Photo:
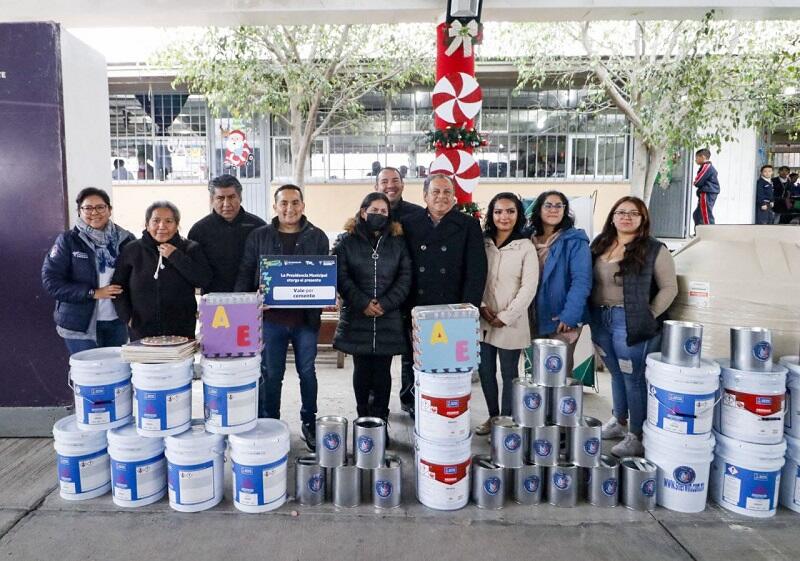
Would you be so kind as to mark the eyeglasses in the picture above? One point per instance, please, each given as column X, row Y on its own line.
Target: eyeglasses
column 553, row 206
column 100, row 209
column 627, row 213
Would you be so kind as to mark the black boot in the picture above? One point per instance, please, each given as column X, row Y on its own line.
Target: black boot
column 309, row 435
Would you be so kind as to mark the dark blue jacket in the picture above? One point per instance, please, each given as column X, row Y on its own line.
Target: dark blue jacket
column 764, row 192
column 566, row 283
column 706, row 180
column 68, row 273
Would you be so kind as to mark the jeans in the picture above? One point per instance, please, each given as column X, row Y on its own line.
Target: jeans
column 273, row 366
column 625, row 364
column 372, row 375
column 509, row 369
column 111, row 333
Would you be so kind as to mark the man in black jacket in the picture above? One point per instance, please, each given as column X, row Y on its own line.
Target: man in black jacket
column 447, row 257
column 290, row 233
column 390, row 182
column 223, row 232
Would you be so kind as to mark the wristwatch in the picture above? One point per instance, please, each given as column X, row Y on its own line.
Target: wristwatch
column 91, row 294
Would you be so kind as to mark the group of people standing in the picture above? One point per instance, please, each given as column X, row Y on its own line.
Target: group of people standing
column 777, row 197
column 530, row 278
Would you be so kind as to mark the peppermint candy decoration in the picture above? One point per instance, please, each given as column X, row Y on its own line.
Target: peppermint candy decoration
column 459, row 165
column 457, row 97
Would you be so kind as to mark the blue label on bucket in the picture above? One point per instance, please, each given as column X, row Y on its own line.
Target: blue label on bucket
column 531, row 483
column 331, row 440
column 762, row 351
column 260, row 485
column 750, row 490
column 132, row 481
column 492, row 485
column 82, row 474
column 562, row 480
column 532, row 401
column 316, row 482
column 610, row 486
column 365, row 444
column 553, row 364
column 692, row 346
column 684, row 479
column 569, row 406
column 230, row 407
column 542, row 448
column 591, row 446
column 98, row 404
column 190, row 485
column 163, row 409
column 681, row 413
column 512, row 442
column 384, row 488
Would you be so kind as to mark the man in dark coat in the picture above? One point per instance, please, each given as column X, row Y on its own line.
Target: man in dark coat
column 448, row 261
column 223, row 232
column 390, row 182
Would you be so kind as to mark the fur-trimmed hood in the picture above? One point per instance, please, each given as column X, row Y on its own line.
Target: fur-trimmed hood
column 395, row 229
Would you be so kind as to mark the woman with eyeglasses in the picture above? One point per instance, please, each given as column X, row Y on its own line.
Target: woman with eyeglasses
column 634, row 284
column 510, row 287
column 561, row 307
column 77, row 273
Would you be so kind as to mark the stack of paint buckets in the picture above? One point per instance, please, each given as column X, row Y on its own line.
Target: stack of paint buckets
column 749, row 425
column 369, row 466
column 681, row 392
column 445, row 345
column 790, row 479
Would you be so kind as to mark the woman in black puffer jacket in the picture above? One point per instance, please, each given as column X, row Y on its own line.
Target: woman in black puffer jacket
column 374, row 277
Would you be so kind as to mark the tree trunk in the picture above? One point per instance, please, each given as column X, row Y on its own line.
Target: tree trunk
column 647, row 160
column 298, row 148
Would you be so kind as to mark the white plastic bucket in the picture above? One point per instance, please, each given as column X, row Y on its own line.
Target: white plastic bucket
column 82, row 461
column 790, row 478
column 138, row 467
column 680, row 399
column 230, row 394
column 162, row 397
column 745, row 477
column 101, row 383
column 683, row 467
column 259, row 457
column 752, row 405
column 791, row 421
column 443, row 406
column 443, row 473
column 195, row 476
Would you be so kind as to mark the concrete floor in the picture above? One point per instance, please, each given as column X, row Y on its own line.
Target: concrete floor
column 35, row 523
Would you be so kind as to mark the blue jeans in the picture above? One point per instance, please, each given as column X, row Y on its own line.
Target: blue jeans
column 273, row 366
column 112, row 333
column 509, row 369
column 625, row 364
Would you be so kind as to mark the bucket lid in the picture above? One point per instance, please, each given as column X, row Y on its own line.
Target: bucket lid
column 101, row 358
column 196, row 438
column 162, row 367
column 231, row 365
column 707, row 367
column 267, row 434
column 775, row 369
column 637, row 464
column 755, row 452
column 126, row 436
column 66, row 431
column 792, row 363
column 608, row 461
column 690, row 443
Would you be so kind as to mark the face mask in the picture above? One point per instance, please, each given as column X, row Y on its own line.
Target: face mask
column 376, row 222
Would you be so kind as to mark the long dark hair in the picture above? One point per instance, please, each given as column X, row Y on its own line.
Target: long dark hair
column 489, row 227
column 636, row 251
column 361, row 224
column 568, row 221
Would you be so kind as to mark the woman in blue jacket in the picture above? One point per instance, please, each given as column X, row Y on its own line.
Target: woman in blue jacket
column 77, row 273
column 565, row 272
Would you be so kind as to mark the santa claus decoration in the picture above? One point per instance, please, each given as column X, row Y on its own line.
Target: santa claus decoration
column 237, row 151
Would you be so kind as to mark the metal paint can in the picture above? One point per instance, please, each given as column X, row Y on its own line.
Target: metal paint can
column 586, row 443
column 527, row 484
column 751, row 349
column 603, row 482
column 681, row 343
column 369, row 442
column 562, row 485
column 508, row 443
column 387, row 483
column 332, row 440
column 568, row 404
column 638, row 479
column 309, row 487
column 529, row 403
column 549, row 362
column 545, row 445
column 346, row 486
column 488, row 483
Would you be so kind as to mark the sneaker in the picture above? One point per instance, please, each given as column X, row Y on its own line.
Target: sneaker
column 630, row 446
column 484, row 428
column 309, row 435
column 614, row 429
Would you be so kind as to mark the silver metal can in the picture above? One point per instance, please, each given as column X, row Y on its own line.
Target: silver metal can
column 346, row 486
column 638, row 478
column 562, row 485
column 528, row 484
column 508, row 443
column 751, row 349
column 681, row 343
column 603, row 482
column 369, row 442
column 488, row 483
column 332, row 441
column 387, row 483
column 529, row 405
column 568, row 404
column 309, row 488
column 586, row 443
column 549, row 362
column 545, row 446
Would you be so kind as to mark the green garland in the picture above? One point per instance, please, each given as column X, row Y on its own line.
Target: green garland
column 454, row 137
column 471, row 209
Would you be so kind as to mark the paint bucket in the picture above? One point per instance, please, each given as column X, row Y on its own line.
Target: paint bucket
column 751, row 406
column 745, row 477
column 586, row 443
column 488, row 483
column 603, row 482
column 751, row 349
column 527, row 484
column 195, row 468
column 563, row 483
column 568, row 404
column 162, row 395
column 442, row 405
column 681, row 342
column 138, row 467
column 259, row 460
column 544, row 449
column 508, row 443
column 680, row 399
column 529, row 403
column 549, row 362
column 791, row 421
column 443, row 473
column 309, row 483
column 369, row 442
column 332, row 435
column 387, row 483
column 638, row 479
column 82, row 461
column 101, row 383
column 346, row 486
column 230, row 394
column 683, row 467
column 790, row 478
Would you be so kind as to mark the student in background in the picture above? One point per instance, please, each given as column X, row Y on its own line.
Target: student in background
column 765, row 192
column 707, row 185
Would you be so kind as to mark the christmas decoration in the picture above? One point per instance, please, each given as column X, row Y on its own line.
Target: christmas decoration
column 455, row 137
column 463, row 35
column 457, row 98
column 472, row 209
column 461, row 166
